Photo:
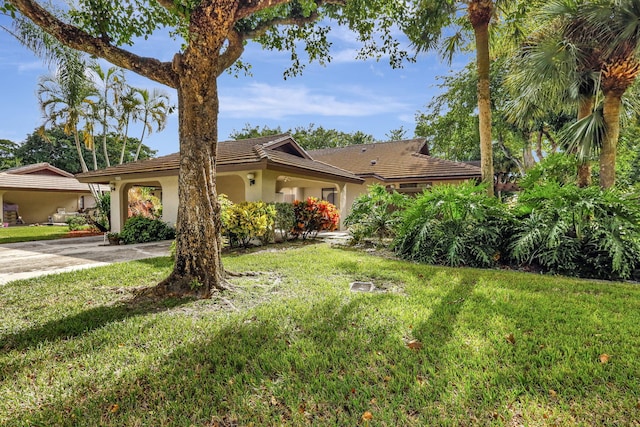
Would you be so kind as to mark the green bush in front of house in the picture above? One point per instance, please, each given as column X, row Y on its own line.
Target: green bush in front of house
column 76, row 223
column 139, row 229
column 585, row 232
column 376, row 213
column 246, row 221
column 285, row 220
column 456, row 225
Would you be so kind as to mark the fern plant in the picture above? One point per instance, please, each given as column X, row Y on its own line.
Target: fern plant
column 453, row 225
column 586, row 232
column 376, row 213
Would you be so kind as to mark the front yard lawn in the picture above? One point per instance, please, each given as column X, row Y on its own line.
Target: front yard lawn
column 292, row 345
column 27, row 234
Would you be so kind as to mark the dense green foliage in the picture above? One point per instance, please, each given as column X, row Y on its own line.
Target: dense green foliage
column 139, row 229
column 376, row 213
column 246, row 221
column 584, row 232
column 558, row 168
column 551, row 226
column 312, row 216
column 285, row 220
column 76, row 222
column 309, row 138
column 457, row 225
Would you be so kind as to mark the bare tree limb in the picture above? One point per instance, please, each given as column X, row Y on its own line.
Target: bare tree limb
column 233, row 51
column 75, row 38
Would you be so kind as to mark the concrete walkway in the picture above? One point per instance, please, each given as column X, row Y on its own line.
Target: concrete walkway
column 32, row 259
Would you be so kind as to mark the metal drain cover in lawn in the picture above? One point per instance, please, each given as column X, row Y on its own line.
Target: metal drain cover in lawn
column 362, row 287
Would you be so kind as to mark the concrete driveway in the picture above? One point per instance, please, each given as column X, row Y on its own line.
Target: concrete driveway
column 32, row 259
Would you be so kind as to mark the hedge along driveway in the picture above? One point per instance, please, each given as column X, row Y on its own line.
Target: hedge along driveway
column 33, row 259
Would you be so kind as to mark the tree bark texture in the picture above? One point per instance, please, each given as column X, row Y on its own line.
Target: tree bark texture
column 585, row 108
column 480, row 15
column 611, row 114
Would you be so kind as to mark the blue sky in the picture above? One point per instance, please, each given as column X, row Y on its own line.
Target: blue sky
column 347, row 94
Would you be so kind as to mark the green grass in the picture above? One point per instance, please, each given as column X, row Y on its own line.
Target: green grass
column 293, row 346
column 27, row 234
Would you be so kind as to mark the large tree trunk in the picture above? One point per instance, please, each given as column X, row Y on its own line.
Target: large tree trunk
column 585, row 108
column 611, row 115
column 480, row 12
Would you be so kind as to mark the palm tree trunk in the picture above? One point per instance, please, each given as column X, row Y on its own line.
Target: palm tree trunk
column 611, row 115
column 144, row 128
column 481, row 31
column 124, row 142
column 585, row 108
column 83, row 164
column 104, row 135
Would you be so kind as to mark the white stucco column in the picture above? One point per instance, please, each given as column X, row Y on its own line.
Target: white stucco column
column 344, row 207
column 2, row 208
column 116, row 219
column 170, row 202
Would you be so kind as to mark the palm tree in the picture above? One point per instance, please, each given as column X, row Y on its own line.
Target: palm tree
column 128, row 110
column 616, row 25
column 555, row 70
column 65, row 98
column 153, row 108
column 106, row 81
column 425, row 31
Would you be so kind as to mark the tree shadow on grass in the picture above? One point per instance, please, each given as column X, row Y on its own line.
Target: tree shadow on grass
column 83, row 322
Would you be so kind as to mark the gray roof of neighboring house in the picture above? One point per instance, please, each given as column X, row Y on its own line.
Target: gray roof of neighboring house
column 395, row 161
column 275, row 152
column 41, row 177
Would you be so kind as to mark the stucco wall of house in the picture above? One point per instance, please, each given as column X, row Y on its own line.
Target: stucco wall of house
column 37, row 206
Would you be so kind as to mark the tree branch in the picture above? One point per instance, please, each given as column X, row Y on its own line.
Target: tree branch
column 266, row 25
column 75, row 38
column 233, row 51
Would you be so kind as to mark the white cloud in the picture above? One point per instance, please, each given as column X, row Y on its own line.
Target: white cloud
column 259, row 100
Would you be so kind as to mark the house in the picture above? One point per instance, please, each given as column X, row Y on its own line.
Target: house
column 276, row 169
column 36, row 193
column 405, row 166
column 271, row 169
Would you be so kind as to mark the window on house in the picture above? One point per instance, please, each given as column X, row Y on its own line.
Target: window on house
column 330, row 195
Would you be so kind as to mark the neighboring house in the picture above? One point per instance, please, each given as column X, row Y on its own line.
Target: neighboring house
column 405, row 166
column 36, row 193
column 271, row 169
column 276, row 169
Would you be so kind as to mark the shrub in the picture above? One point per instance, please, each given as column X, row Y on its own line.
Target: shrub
column 139, row 229
column 586, row 232
column 285, row 220
column 246, row 221
column 556, row 167
column 376, row 214
column 76, row 222
column 454, row 225
column 313, row 216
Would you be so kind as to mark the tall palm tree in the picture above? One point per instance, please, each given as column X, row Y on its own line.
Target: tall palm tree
column 65, row 98
column 617, row 41
column 555, row 69
column 109, row 83
column 128, row 110
column 425, row 31
column 154, row 108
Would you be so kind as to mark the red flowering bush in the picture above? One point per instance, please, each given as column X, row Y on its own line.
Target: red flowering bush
column 313, row 216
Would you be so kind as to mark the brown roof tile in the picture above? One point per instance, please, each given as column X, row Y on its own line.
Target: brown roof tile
column 271, row 152
column 394, row 161
column 26, row 182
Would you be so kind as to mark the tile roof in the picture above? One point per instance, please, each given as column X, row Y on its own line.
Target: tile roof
column 38, row 168
column 27, row 182
column 395, row 161
column 269, row 152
